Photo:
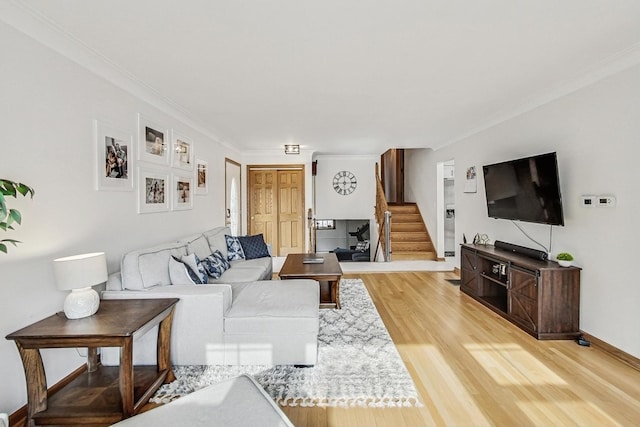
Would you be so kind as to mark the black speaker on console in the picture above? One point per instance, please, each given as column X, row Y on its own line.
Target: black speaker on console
column 531, row 253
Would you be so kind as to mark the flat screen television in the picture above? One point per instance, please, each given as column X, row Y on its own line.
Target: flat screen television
column 526, row 189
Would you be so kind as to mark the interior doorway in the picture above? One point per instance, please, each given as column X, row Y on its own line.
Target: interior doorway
column 446, row 209
column 276, row 206
column 232, row 199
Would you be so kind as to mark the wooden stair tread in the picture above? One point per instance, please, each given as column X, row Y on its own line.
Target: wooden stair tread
column 399, row 209
column 407, row 226
column 409, row 236
column 413, row 255
column 411, row 246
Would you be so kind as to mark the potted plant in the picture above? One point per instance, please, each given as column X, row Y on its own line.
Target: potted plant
column 10, row 216
column 564, row 259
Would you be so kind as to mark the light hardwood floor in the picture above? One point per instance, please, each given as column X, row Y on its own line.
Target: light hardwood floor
column 473, row 368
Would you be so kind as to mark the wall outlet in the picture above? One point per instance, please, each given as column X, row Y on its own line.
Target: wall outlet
column 606, row 201
column 4, row 420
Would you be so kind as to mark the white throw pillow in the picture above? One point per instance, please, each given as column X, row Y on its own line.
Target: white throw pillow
column 193, row 262
column 178, row 273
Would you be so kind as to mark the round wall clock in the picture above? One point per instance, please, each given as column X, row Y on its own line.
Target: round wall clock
column 344, row 182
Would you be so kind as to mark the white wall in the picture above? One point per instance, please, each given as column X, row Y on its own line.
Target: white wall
column 358, row 205
column 47, row 108
column 595, row 133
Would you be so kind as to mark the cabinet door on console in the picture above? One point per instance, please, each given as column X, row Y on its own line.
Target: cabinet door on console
column 469, row 271
column 523, row 297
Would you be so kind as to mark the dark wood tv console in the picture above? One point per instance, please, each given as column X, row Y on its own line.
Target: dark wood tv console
column 540, row 297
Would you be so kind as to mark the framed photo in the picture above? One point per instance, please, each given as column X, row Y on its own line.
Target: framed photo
column 470, row 183
column 181, row 192
column 153, row 141
column 202, row 177
column 114, row 162
column 153, row 191
column 181, row 152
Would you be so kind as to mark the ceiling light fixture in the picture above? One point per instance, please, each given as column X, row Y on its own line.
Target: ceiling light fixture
column 291, row 149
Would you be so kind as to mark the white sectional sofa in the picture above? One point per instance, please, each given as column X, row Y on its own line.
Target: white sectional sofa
column 241, row 318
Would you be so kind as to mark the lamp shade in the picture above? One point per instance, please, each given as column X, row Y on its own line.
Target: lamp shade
column 80, row 271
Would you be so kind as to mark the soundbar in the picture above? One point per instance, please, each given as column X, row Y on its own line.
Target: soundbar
column 531, row 253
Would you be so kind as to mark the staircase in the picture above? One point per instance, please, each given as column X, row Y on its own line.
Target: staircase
column 410, row 239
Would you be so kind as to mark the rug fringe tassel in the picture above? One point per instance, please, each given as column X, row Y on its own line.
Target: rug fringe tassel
column 351, row 403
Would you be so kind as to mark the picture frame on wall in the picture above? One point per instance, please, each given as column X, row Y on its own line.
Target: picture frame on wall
column 153, row 141
column 181, row 192
column 202, row 177
column 181, row 151
column 153, row 190
column 470, row 183
column 114, row 159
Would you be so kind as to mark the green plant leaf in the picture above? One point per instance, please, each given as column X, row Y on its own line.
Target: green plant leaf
column 12, row 241
column 3, row 247
column 15, row 215
column 9, row 216
column 9, row 189
column 25, row 189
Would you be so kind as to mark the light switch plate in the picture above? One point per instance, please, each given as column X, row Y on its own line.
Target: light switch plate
column 588, row 201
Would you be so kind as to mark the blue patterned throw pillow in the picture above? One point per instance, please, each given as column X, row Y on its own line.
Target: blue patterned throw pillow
column 214, row 266
column 222, row 259
column 254, row 246
column 234, row 248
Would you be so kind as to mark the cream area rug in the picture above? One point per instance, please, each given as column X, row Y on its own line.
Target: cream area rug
column 358, row 364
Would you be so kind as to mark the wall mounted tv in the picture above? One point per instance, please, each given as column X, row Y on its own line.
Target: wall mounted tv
column 526, row 189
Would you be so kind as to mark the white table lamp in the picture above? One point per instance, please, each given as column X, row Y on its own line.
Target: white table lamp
column 78, row 273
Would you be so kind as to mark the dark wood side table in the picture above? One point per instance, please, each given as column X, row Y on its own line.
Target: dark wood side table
column 327, row 273
column 102, row 394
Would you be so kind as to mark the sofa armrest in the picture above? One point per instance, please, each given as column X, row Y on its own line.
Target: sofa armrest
column 114, row 282
column 198, row 324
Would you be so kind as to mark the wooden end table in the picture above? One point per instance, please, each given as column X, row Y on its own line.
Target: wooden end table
column 102, row 394
column 328, row 274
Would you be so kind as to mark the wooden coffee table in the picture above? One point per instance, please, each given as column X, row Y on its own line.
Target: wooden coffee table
column 328, row 274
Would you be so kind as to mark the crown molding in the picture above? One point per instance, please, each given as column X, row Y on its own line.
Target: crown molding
column 346, row 157
column 610, row 66
column 305, row 156
column 46, row 32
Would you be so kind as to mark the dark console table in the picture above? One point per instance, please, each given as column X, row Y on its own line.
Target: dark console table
column 539, row 296
column 102, row 395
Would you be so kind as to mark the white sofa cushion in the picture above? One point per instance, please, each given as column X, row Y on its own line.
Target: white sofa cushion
column 259, row 308
column 198, row 323
column 250, row 264
column 147, row 268
column 246, row 271
column 236, row 402
column 216, row 239
column 200, row 247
